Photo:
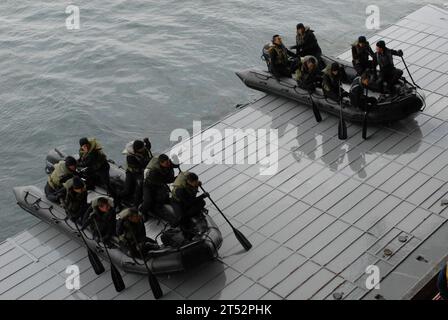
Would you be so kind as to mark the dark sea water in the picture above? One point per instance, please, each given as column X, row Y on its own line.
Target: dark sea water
column 139, row 68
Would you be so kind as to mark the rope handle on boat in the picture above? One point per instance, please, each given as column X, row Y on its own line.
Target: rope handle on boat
column 37, row 206
column 261, row 76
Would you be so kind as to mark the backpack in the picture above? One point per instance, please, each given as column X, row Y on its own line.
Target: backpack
column 173, row 237
column 265, row 55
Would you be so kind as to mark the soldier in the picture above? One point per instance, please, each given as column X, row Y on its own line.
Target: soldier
column 307, row 45
column 132, row 233
column 63, row 171
column 155, row 186
column 361, row 51
column 137, row 158
column 75, row 199
column 94, row 163
column 331, row 83
column 101, row 214
column 307, row 73
column 388, row 72
column 184, row 199
column 358, row 97
column 279, row 58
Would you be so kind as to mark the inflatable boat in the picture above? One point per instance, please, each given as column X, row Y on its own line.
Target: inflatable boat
column 201, row 248
column 390, row 108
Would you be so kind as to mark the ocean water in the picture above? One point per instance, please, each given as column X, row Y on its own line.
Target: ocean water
column 139, row 68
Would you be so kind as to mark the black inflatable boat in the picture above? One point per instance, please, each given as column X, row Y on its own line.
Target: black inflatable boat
column 201, row 248
column 390, row 108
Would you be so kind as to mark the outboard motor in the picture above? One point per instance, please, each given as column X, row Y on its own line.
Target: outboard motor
column 266, row 56
column 53, row 157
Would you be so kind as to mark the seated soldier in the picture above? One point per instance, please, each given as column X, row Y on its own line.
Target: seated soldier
column 63, row 171
column 94, row 163
column 361, row 51
column 160, row 172
column 101, row 220
column 184, row 198
column 358, row 97
column 307, row 73
column 279, row 55
column 307, row 45
column 75, row 199
column 137, row 158
column 332, row 80
column 388, row 72
column 132, row 233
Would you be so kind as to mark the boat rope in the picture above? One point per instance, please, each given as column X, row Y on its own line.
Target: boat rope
column 36, row 206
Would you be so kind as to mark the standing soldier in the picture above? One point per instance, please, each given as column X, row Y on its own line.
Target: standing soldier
column 137, row 158
column 361, row 51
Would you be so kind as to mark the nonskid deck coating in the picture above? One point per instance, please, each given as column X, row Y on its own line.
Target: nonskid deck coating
column 330, row 211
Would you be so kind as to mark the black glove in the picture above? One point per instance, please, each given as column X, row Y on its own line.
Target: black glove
column 205, row 195
column 400, row 53
column 147, row 143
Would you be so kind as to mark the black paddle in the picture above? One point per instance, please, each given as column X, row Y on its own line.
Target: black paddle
column 406, row 66
column 240, row 237
column 342, row 127
column 315, row 109
column 364, row 121
column 116, row 276
column 93, row 257
column 153, row 282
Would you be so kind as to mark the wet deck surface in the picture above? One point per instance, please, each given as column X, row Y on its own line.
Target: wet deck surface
column 330, row 211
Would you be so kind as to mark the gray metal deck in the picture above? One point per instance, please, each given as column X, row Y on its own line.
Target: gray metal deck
column 330, row 211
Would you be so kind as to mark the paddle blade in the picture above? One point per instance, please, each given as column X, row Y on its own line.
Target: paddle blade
column 155, row 286
column 316, row 113
column 242, row 239
column 342, row 129
column 364, row 127
column 95, row 262
column 117, row 279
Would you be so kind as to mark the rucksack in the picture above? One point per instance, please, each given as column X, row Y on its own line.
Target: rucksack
column 265, row 55
column 173, row 237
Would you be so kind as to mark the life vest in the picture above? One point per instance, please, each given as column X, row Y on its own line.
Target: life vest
column 385, row 60
column 59, row 175
column 69, row 183
column 361, row 53
column 331, row 83
column 152, row 165
column 94, row 145
column 94, row 203
column 141, row 157
column 73, row 200
column 129, row 230
column 357, row 98
column 281, row 57
column 302, row 72
column 181, row 183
